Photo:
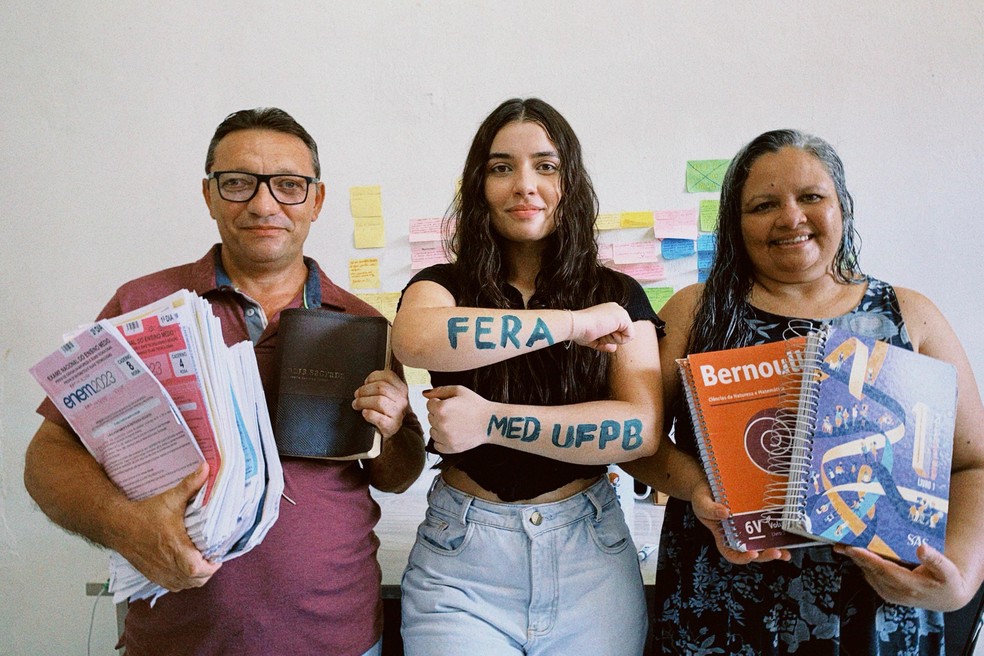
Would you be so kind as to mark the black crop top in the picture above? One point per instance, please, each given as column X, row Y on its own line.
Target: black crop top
column 511, row 474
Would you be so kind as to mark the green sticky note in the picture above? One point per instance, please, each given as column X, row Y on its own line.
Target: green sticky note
column 709, row 215
column 706, row 174
column 658, row 296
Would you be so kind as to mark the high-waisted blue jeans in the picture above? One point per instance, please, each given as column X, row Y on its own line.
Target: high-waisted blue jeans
column 496, row 579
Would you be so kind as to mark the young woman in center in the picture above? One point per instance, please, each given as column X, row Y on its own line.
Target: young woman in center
column 545, row 367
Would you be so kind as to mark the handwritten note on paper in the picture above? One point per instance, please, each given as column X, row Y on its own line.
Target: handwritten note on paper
column 709, row 215
column 364, row 273
column 704, row 260
column 674, row 249
column 426, row 229
column 370, row 232
column 605, row 252
column 706, row 248
column 675, row 224
column 643, row 272
column 636, row 219
column 608, row 221
column 424, row 254
column 415, row 376
column 658, row 296
column 635, row 252
column 366, row 201
column 706, row 174
column 706, row 243
column 384, row 302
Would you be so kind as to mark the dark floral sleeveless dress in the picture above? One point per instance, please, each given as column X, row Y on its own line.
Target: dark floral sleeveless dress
column 819, row 602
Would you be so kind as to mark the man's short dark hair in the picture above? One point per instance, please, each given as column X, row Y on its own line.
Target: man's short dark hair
column 262, row 118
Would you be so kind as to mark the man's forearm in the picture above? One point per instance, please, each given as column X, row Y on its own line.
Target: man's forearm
column 400, row 462
column 70, row 487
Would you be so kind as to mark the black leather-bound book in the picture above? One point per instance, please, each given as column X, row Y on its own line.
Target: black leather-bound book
column 323, row 357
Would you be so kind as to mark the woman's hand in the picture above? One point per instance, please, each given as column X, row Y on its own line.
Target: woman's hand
column 602, row 327
column 458, row 418
column 935, row 584
column 711, row 514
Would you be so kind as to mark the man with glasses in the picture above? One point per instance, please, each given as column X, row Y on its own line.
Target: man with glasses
column 312, row 585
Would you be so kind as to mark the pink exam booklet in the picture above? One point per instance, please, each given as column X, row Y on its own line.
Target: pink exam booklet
column 152, row 394
column 161, row 342
column 121, row 412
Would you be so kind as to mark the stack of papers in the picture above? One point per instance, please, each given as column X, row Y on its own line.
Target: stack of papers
column 152, row 394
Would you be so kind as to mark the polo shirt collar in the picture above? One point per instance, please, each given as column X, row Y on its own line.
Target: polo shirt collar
column 312, row 286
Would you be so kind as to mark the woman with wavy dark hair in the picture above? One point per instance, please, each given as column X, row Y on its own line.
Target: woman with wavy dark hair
column 725, row 309
column 788, row 258
column 545, row 369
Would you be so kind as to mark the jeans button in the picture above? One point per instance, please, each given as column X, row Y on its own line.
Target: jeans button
column 536, row 518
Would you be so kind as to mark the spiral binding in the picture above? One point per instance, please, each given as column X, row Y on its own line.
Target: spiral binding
column 780, row 437
column 707, row 459
column 798, row 413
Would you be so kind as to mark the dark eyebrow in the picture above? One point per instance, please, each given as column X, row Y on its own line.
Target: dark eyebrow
column 545, row 153
column 280, row 171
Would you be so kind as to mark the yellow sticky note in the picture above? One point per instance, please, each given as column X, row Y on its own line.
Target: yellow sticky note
column 370, row 232
column 636, row 219
column 364, row 273
column 709, row 215
column 658, row 296
column 416, row 376
column 384, row 302
column 608, row 221
column 366, row 201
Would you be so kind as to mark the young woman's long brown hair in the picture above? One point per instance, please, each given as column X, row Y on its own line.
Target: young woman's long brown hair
column 570, row 276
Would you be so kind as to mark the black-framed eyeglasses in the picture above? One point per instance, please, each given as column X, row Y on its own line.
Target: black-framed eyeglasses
column 241, row 186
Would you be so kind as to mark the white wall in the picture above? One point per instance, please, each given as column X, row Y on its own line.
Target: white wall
column 107, row 108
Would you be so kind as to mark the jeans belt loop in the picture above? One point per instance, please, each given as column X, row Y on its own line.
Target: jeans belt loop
column 434, row 483
column 595, row 501
column 464, row 508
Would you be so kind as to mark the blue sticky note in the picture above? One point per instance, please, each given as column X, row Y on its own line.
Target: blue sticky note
column 674, row 249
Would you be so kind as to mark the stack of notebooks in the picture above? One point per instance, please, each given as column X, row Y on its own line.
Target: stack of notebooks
column 154, row 393
column 828, row 438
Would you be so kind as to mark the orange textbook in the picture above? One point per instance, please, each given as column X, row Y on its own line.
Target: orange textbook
column 735, row 399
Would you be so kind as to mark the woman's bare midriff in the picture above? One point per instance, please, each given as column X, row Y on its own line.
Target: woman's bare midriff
column 462, row 481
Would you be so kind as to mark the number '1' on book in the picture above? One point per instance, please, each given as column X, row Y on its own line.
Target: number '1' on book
column 872, row 446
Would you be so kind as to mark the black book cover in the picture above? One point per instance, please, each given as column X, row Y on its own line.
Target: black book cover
column 322, row 358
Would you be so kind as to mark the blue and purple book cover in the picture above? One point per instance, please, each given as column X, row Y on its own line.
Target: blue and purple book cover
column 872, row 447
